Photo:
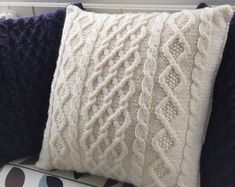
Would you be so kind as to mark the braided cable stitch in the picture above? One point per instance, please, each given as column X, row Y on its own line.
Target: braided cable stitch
column 122, row 95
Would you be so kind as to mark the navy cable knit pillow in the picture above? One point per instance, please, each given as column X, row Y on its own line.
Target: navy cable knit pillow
column 218, row 152
column 28, row 54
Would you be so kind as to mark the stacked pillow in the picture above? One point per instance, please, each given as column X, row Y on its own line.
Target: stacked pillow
column 218, row 152
column 28, row 49
column 131, row 94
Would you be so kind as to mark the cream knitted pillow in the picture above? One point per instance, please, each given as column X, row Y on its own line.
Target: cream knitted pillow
column 131, row 93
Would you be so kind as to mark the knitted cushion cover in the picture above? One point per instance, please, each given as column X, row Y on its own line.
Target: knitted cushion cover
column 28, row 52
column 131, row 93
column 218, row 153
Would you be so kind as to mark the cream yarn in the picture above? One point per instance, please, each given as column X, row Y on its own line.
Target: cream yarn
column 131, row 93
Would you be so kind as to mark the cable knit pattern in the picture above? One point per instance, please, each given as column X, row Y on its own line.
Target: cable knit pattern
column 172, row 78
column 143, row 115
column 202, row 45
column 126, row 108
column 29, row 49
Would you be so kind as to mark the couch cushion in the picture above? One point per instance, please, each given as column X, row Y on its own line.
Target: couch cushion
column 23, row 171
column 131, row 93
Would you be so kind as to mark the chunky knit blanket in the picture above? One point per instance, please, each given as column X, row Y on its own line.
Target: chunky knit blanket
column 131, row 94
column 28, row 53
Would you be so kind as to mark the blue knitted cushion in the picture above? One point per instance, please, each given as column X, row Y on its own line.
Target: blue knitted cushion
column 218, row 152
column 28, row 53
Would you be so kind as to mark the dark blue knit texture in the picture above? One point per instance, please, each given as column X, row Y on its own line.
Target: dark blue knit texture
column 218, row 152
column 28, row 53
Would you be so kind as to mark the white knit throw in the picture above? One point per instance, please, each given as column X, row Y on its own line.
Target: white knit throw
column 131, row 94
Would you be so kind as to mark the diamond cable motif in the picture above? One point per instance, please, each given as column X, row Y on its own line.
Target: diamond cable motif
column 175, row 50
column 117, row 88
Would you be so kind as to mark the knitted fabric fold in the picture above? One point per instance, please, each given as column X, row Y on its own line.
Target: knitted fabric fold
column 131, row 94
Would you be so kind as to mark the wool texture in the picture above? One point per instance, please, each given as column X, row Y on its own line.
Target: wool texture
column 217, row 159
column 130, row 94
column 28, row 52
